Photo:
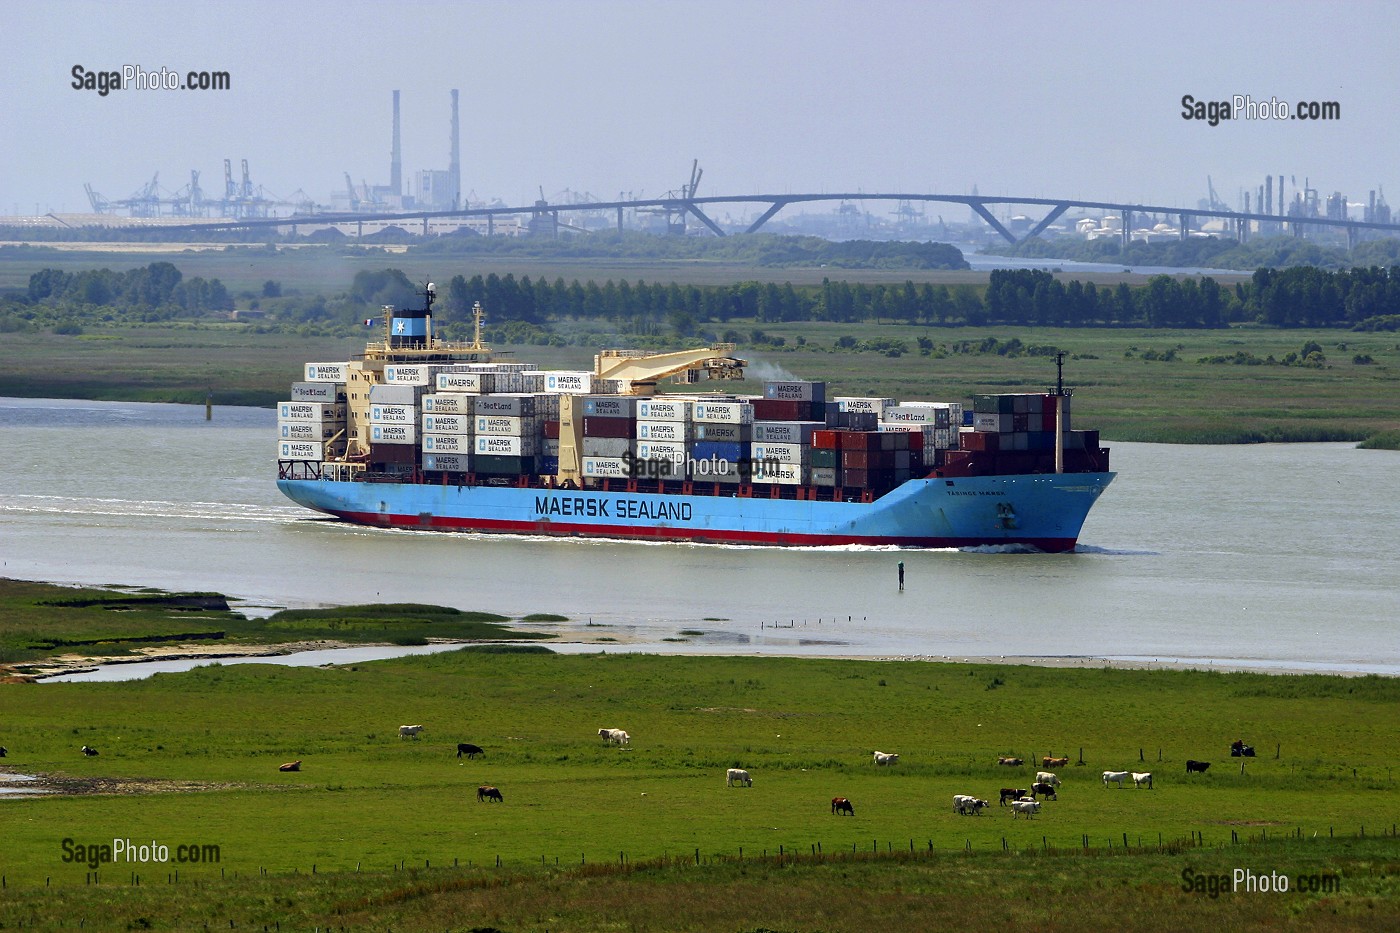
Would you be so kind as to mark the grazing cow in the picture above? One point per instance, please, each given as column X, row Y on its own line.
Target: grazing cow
column 965, row 804
column 1039, row 789
column 3, row 751
column 1198, row 766
column 737, row 776
column 614, row 736
column 1117, row 777
column 409, row 732
column 1048, row 762
column 486, row 792
column 468, row 749
column 1141, row 779
column 1046, row 777
column 1029, row 807
column 1240, row 750
column 89, row 751
column 1009, row 762
column 290, row 766
column 1011, row 793
column 886, row 758
column 842, row 805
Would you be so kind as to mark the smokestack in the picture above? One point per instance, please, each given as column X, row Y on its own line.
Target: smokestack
column 1269, row 194
column 396, row 160
column 1282, row 208
column 454, row 164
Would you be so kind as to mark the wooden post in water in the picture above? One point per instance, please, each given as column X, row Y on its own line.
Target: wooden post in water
column 209, row 406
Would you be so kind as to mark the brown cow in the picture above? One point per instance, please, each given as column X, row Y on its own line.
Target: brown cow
column 290, row 766
column 486, row 792
column 1048, row 762
column 1011, row 793
column 842, row 805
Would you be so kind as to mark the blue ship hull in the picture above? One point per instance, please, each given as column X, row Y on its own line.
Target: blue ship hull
column 1044, row 511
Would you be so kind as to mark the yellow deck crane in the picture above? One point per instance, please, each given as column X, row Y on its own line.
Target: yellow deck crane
column 638, row 372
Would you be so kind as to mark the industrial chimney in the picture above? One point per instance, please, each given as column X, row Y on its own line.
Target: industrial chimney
column 454, row 164
column 396, row 160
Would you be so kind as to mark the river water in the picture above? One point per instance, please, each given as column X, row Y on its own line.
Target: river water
column 1277, row 557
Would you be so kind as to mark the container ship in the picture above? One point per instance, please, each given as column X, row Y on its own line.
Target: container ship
column 425, row 433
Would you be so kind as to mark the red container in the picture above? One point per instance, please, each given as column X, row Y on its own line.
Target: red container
column 393, row 453
column 551, row 429
column 607, row 427
column 767, row 409
column 826, row 440
column 980, row 440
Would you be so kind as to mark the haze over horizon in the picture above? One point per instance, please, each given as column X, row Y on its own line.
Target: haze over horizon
column 616, row 97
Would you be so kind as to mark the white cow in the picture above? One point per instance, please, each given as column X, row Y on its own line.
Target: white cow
column 1117, row 777
column 1141, row 779
column 737, row 776
column 1045, row 777
column 406, row 732
column 614, row 736
column 1029, row 807
column 965, row 803
column 886, row 758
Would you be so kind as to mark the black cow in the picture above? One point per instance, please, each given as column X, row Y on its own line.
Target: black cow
column 1011, row 793
column 88, row 751
column 842, row 805
column 468, row 749
column 1198, row 766
column 3, row 751
column 1240, row 750
column 1041, row 789
column 486, row 792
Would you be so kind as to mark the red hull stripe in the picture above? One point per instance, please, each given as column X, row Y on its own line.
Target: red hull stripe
column 663, row 533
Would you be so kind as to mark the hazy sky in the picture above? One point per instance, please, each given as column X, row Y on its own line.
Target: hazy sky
column 1077, row 100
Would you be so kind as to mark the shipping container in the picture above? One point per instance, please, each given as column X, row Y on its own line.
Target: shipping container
column 550, row 428
column 450, row 403
column 505, row 425
column 605, row 467
column 447, row 424
column 547, row 464
column 602, row 426
column 395, row 394
column 310, row 411
column 719, row 450
column 823, row 459
column 733, row 433
column 823, row 476
column 410, row 374
column 393, row 414
column 993, row 422
column 674, row 431
column 405, row 455
column 567, row 382
column 609, row 406
column 854, row 404
column 447, row 463
column 606, row 447
column 502, row 445
column 301, row 450
column 511, row 406
column 795, row 391
column 785, row 432
column 723, row 412
column 477, row 383
column 507, row 465
column 332, row 392
column 449, row 443
column 309, row 430
column 660, row 450
column 393, row 433
column 327, row 372
column 663, row 409
column 780, row 410
column 784, row 474
column 781, row 453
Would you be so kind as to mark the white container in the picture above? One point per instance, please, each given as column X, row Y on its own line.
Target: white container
column 652, row 409
column 498, row 445
column 411, row 374
column 794, row 391
column 450, row 403
column 568, row 382
column 607, row 448
column 332, row 392
column 511, row 406
column 447, row 463
column 609, row 406
column 991, row 422
column 503, row 424
column 448, row 443
column 465, row 382
column 914, row 414
column 393, row 414
column 785, row 432
column 783, row 474
column 393, row 433
column 652, row 450
column 382, row 394
column 310, row 411
column 782, row 453
column 447, row 424
column 673, row 431
column 549, row 447
column 309, row 430
column 725, row 412
column 327, row 372
column 874, row 405
column 301, row 450
column 605, row 467
column 823, row 476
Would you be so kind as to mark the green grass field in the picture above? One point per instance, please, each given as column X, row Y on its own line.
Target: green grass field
column 576, row 812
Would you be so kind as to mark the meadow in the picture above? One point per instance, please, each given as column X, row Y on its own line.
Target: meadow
column 380, row 831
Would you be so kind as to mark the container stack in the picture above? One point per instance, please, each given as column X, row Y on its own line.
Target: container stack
column 312, row 430
column 508, row 429
column 393, row 426
column 449, row 428
column 607, row 436
column 722, row 440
